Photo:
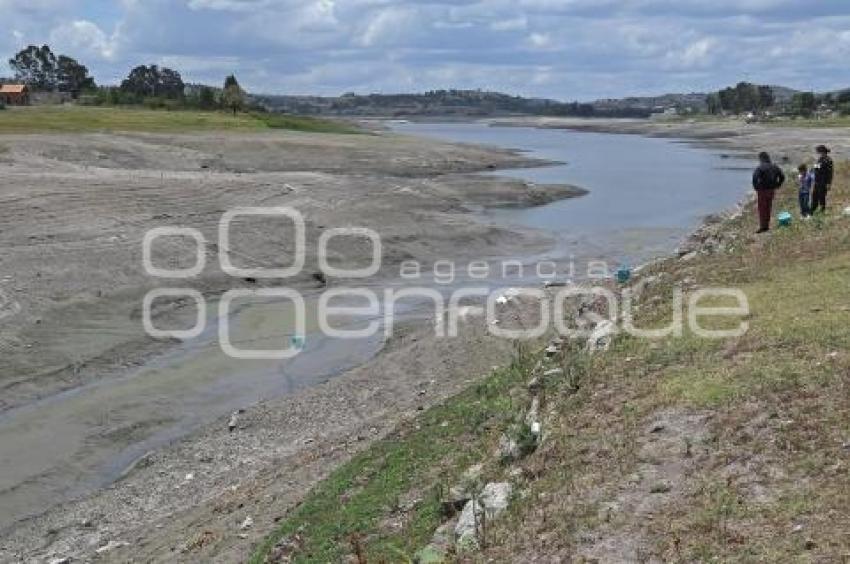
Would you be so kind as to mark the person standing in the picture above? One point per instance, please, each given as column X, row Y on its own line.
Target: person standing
column 766, row 179
column 807, row 180
column 823, row 178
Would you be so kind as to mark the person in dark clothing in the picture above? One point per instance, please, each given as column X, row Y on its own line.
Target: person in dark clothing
column 766, row 179
column 807, row 180
column 823, row 170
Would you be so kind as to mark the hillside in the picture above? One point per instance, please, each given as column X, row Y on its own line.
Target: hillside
column 477, row 103
column 675, row 449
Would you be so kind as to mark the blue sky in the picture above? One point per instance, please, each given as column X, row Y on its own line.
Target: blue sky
column 564, row 49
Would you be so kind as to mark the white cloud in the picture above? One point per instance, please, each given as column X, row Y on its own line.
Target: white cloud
column 562, row 48
column 84, row 37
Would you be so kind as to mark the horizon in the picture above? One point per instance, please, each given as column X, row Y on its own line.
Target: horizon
column 531, row 48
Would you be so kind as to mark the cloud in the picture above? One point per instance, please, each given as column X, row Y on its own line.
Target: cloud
column 567, row 49
column 83, row 37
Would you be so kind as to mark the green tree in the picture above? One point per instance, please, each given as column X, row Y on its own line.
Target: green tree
column 72, row 77
column 713, row 103
column 206, row 98
column 232, row 97
column 153, row 81
column 36, row 67
column 804, row 103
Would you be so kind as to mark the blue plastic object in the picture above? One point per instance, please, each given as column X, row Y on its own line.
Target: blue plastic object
column 624, row 273
column 784, row 219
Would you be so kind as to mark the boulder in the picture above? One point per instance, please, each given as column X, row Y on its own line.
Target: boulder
column 493, row 501
column 508, row 448
column 600, row 338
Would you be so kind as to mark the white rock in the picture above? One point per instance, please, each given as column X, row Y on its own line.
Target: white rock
column 247, row 523
column 494, row 499
column 508, row 448
column 600, row 338
column 110, row 546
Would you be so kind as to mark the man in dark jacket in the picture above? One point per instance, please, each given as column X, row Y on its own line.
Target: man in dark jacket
column 766, row 179
column 823, row 178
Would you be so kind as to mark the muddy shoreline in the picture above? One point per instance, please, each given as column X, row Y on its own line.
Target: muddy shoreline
column 284, row 446
column 79, row 323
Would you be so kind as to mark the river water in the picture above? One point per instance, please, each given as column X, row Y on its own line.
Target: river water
column 644, row 196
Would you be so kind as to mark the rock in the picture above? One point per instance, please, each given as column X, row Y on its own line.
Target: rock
column 494, row 499
column 508, row 448
column 600, row 338
column 533, row 411
column 461, row 493
column 846, row 211
column 247, row 523
column 552, row 350
column 553, row 373
column 438, row 549
column 62, row 560
column 110, row 546
column 234, row 422
column 536, row 428
column 430, row 555
column 534, row 385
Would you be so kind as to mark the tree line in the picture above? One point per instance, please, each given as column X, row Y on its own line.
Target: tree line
column 745, row 97
column 151, row 85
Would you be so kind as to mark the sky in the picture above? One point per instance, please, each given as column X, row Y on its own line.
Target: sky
column 561, row 49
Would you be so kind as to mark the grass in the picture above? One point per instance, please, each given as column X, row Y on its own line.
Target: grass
column 81, row 119
column 417, row 464
column 767, row 482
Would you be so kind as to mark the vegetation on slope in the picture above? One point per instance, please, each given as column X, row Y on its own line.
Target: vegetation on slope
column 680, row 449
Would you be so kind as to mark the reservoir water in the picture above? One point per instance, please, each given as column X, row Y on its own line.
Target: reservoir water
column 644, row 194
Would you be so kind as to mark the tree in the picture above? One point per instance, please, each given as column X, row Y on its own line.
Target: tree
column 206, row 98
column 35, row 67
column 804, row 103
column 766, row 97
column 713, row 104
column 233, row 97
column 152, row 81
column 39, row 68
column 72, row 77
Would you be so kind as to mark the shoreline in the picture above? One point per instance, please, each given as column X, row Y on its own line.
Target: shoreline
column 387, row 422
column 445, row 176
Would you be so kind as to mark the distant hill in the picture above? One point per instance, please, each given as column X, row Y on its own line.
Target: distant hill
column 479, row 103
column 445, row 103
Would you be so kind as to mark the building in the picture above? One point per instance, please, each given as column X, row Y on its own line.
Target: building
column 14, row 94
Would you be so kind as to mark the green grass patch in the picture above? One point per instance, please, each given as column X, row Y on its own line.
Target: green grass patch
column 418, row 462
column 82, row 119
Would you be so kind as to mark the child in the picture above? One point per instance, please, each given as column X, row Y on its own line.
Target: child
column 807, row 179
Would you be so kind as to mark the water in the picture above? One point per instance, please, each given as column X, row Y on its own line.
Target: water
column 645, row 194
